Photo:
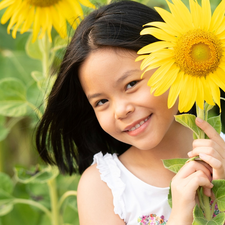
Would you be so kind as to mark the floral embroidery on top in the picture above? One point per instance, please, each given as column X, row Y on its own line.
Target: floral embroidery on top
column 151, row 219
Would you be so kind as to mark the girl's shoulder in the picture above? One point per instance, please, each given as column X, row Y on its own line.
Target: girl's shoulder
column 95, row 199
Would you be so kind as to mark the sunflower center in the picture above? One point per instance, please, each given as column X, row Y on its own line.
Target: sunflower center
column 198, row 53
column 42, row 3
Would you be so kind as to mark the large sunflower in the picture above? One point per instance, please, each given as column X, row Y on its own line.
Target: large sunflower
column 190, row 54
column 41, row 15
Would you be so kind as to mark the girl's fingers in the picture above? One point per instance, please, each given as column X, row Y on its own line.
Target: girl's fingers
column 210, row 131
column 209, row 145
column 192, row 167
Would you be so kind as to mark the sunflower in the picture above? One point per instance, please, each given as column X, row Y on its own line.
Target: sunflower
column 41, row 15
column 189, row 54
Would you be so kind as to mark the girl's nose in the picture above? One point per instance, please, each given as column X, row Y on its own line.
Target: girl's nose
column 123, row 109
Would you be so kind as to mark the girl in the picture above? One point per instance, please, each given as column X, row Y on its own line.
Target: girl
column 100, row 107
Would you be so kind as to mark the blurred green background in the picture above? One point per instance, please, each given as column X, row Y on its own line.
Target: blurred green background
column 17, row 148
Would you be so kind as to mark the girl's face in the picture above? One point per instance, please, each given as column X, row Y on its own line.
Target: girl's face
column 122, row 101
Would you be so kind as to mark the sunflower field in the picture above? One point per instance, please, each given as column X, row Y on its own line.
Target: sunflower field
column 33, row 38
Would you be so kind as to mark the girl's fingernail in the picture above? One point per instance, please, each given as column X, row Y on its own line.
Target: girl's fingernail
column 199, row 120
column 189, row 154
column 202, row 156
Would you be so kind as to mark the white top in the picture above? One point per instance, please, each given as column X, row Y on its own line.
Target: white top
column 135, row 201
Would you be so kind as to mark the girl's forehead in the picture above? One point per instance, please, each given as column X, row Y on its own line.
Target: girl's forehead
column 105, row 66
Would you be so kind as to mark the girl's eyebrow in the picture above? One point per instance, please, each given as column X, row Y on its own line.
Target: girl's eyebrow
column 93, row 96
column 121, row 79
column 125, row 75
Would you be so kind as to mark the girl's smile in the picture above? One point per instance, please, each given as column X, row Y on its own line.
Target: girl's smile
column 137, row 127
column 124, row 107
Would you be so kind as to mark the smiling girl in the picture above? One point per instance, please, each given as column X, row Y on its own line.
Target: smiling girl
column 102, row 121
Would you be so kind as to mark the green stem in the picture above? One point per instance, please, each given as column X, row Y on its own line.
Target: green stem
column 66, row 195
column 213, row 208
column 200, row 198
column 45, row 62
column 205, row 199
column 1, row 157
column 33, row 203
column 54, row 201
column 36, row 110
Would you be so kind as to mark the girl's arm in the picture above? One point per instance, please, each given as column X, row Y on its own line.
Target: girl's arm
column 95, row 200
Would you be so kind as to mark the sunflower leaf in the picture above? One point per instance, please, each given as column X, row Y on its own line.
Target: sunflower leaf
column 174, row 165
column 12, row 97
column 219, row 192
column 216, row 123
column 199, row 218
column 188, row 120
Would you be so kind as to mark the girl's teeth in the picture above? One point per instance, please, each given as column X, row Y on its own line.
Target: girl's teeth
column 139, row 124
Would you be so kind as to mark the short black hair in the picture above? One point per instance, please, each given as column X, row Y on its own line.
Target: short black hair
column 69, row 134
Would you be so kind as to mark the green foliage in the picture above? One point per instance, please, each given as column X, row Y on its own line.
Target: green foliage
column 174, row 165
column 33, row 193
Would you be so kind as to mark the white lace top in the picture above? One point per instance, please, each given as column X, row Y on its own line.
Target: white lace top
column 135, row 201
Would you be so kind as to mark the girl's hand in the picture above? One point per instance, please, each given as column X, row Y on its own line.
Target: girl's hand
column 211, row 151
column 184, row 186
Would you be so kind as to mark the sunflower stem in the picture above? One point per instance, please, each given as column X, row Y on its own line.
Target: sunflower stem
column 54, row 201
column 205, row 199
column 45, row 63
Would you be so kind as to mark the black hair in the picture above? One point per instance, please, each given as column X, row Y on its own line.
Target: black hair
column 69, row 134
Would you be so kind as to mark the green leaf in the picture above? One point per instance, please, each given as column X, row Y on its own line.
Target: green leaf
column 188, row 120
column 4, row 131
column 12, row 98
column 216, row 123
column 38, row 175
column 5, row 209
column 199, row 218
column 174, row 165
column 6, row 183
column 219, row 192
column 6, row 202
column 60, row 43
column 170, row 197
column 33, row 49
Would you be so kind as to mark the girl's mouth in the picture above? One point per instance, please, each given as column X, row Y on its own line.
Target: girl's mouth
column 138, row 125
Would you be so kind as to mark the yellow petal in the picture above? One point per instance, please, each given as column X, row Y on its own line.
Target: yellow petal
column 6, row 3
column 59, row 23
column 87, row 3
column 155, row 46
column 217, row 17
column 168, row 79
column 181, row 13
column 154, row 57
column 37, row 23
column 207, row 91
column 214, row 90
column 200, row 93
column 159, row 34
column 218, row 77
column 175, row 89
column 29, row 20
column 187, row 94
column 7, row 15
column 158, row 75
column 206, row 14
column 195, row 12
column 168, row 17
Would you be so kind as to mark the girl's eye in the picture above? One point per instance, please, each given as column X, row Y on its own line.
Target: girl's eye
column 101, row 102
column 131, row 84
